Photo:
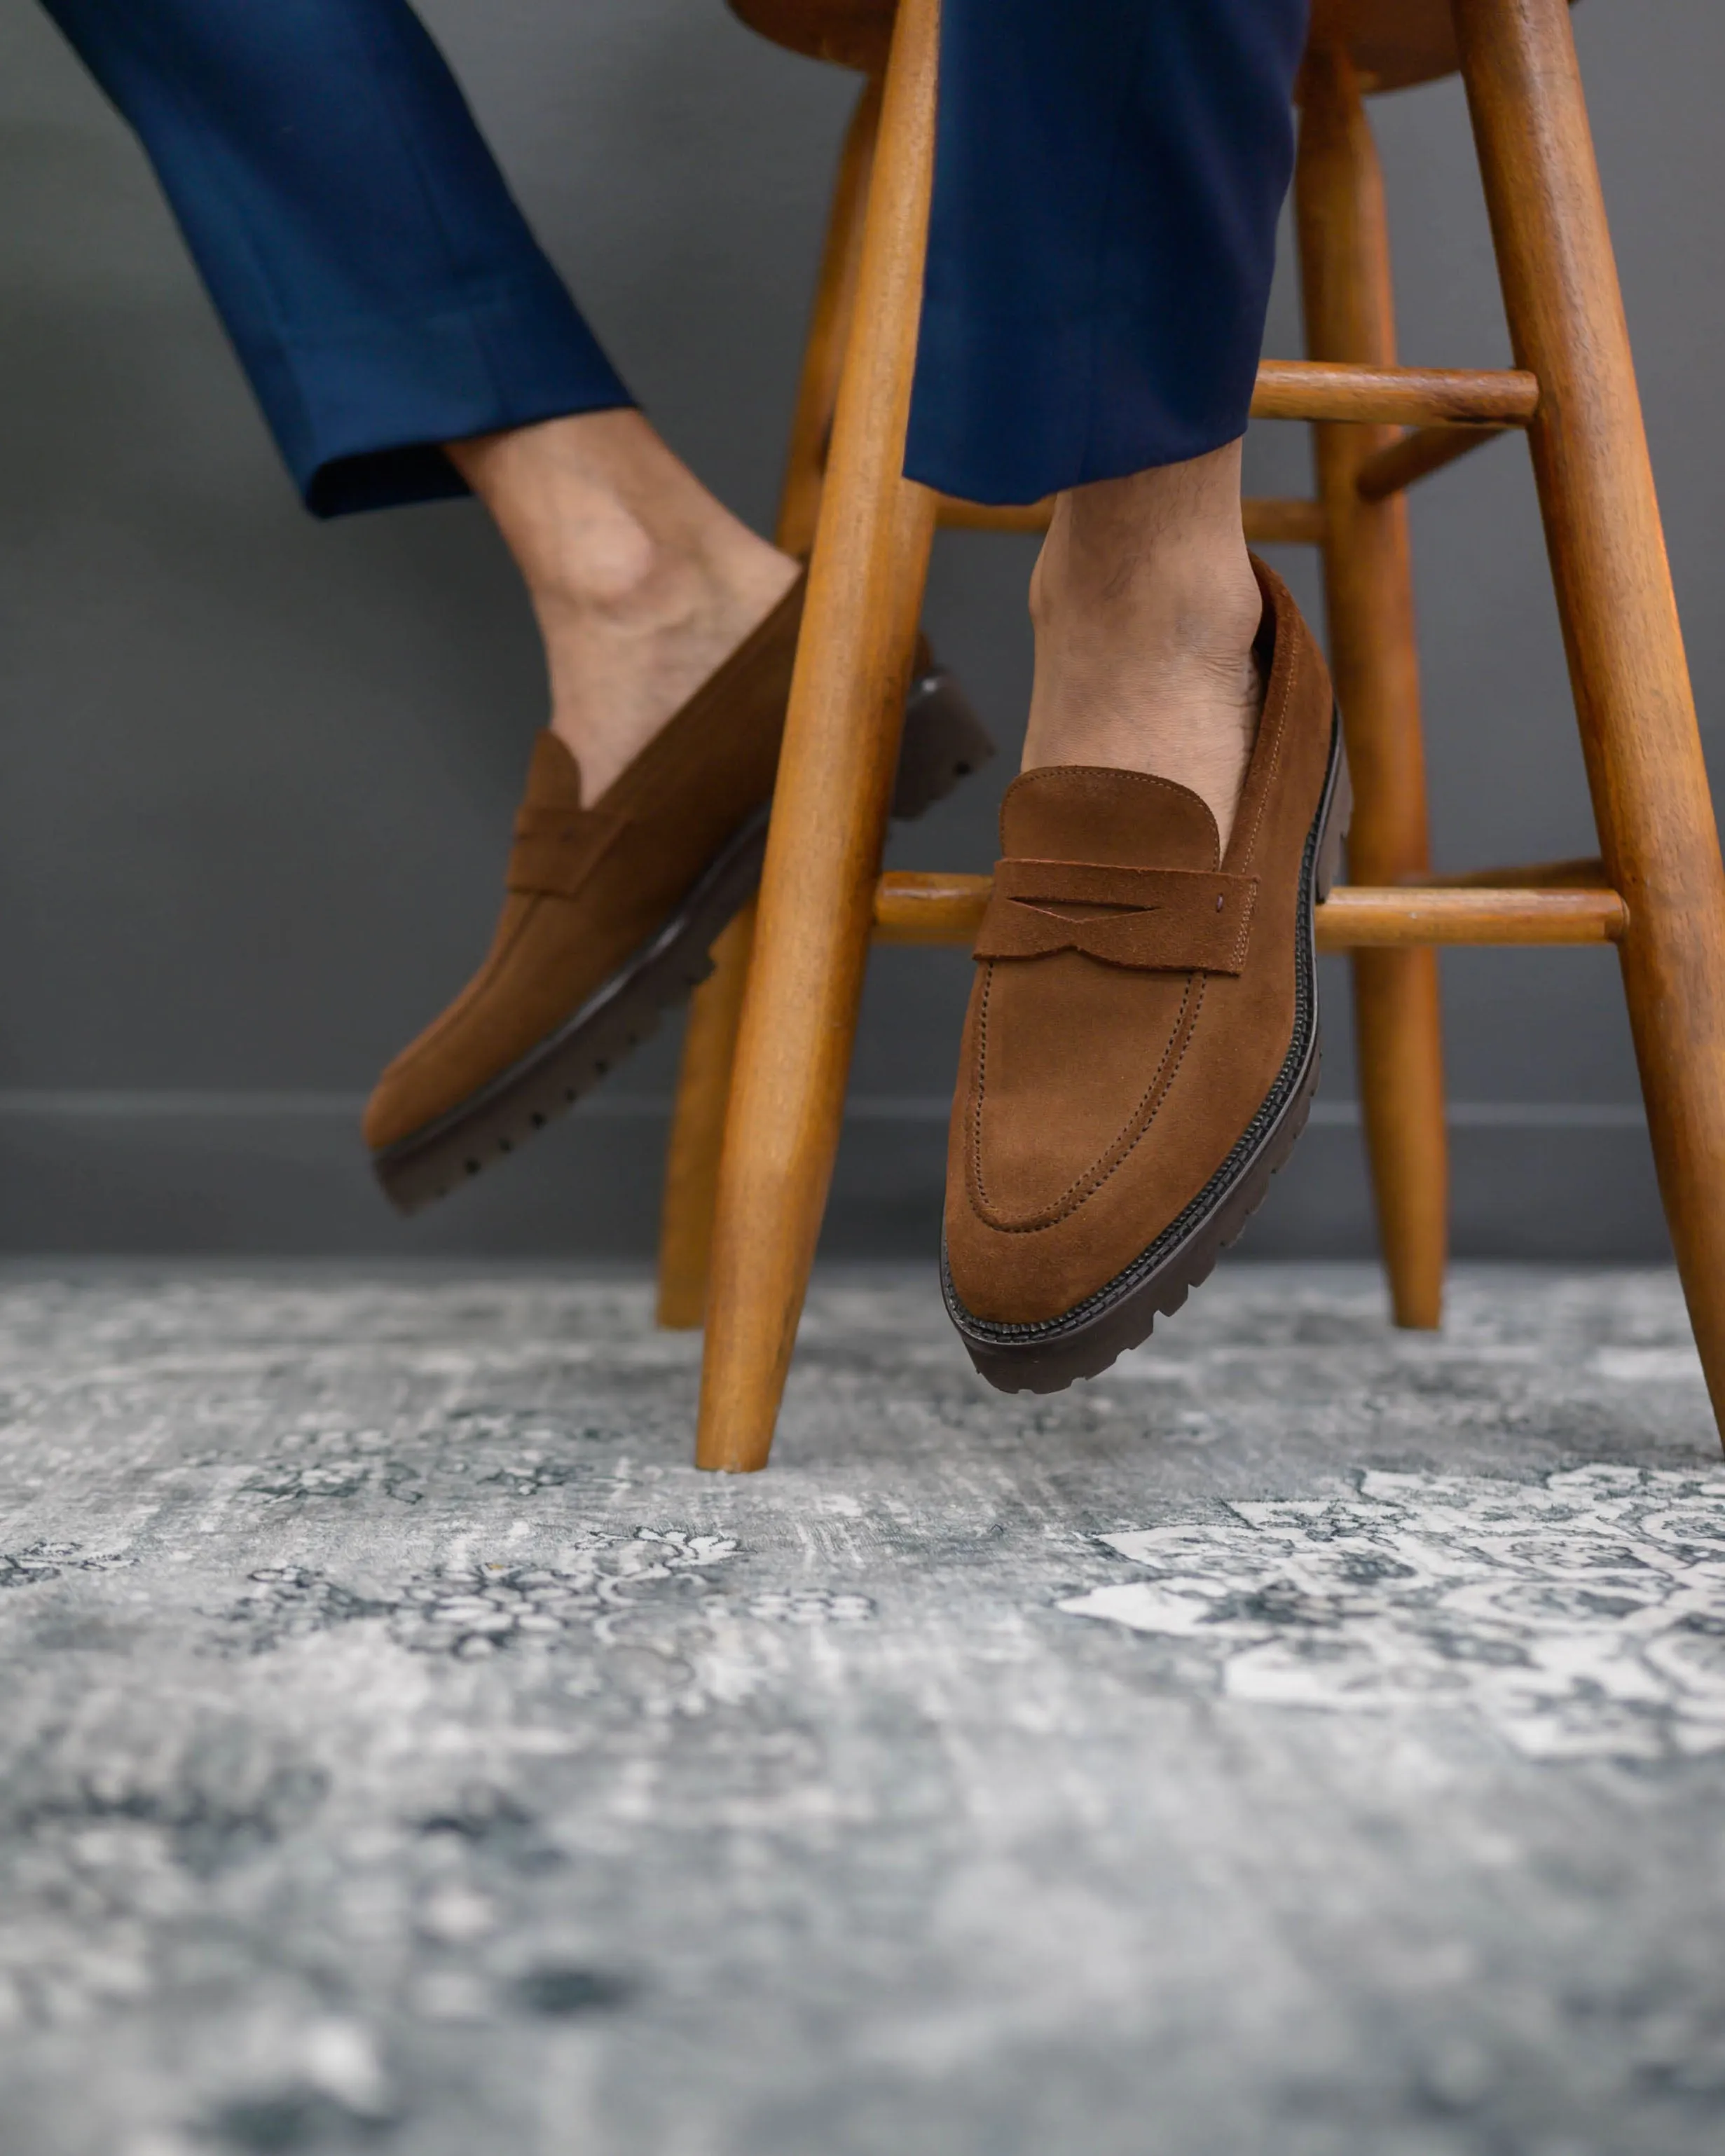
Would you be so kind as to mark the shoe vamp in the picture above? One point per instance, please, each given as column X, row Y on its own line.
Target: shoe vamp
column 545, row 966
column 550, row 954
column 1073, row 1056
column 547, row 957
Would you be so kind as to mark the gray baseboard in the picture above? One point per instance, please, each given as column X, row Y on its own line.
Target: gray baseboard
column 256, row 1174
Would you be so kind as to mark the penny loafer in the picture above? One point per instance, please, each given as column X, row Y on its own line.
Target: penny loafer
column 611, row 911
column 1142, row 1044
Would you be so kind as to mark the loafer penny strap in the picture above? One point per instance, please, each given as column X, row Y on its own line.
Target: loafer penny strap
column 1180, row 921
column 556, row 850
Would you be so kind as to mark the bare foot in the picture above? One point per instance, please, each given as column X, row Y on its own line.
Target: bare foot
column 1145, row 610
column 642, row 583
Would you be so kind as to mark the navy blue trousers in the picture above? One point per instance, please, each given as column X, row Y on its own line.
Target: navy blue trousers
column 1108, row 180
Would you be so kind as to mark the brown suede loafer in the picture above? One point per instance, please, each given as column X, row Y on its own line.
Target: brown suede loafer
column 1142, row 1045
column 611, row 911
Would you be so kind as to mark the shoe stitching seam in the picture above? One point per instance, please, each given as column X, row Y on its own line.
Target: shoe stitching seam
column 1138, row 778
column 1089, row 1181
column 1133, row 1275
column 449, row 1019
column 1076, row 1194
column 1238, row 955
column 456, row 1012
column 1085, row 1186
column 1279, row 743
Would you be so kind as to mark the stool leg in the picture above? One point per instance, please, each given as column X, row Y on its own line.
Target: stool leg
column 1344, row 253
column 691, row 1158
column 691, row 1167
column 1631, row 679
column 830, row 810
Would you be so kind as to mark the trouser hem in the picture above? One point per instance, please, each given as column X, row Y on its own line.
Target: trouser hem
column 361, row 413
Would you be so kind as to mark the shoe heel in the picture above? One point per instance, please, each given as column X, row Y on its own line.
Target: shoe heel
column 943, row 743
column 1337, row 816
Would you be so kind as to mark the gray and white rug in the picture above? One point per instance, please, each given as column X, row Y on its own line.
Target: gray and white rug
column 1306, row 1740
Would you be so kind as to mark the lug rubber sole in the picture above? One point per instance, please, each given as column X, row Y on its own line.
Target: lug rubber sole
column 944, row 742
column 1047, row 1358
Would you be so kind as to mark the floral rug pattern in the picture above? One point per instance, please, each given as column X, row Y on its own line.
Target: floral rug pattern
column 1308, row 1739
column 1583, row 1615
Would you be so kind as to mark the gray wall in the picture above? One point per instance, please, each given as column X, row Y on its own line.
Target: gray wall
column 257, row 774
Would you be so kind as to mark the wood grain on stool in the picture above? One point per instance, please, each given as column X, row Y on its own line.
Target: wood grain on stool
column 1269, row 522
column 1393, row 43
column 1633, row 698
column 1378, row 393
column 829, row 811
column 1416, row 456
column 1368, row 590
column 691, row 1166
column 932, row 909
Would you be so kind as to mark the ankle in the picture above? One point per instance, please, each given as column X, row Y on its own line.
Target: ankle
column 1187, row 600
column 642, row 583
column 1147, row 610
column 632, row 623
column 607, row 574
column 608, row 527
column 1180, row 629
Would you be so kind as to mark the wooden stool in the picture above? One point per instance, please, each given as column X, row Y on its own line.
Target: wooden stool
column 770, row 1037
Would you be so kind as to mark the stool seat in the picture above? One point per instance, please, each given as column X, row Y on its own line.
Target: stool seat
column 853, row 34
column 1393, row 43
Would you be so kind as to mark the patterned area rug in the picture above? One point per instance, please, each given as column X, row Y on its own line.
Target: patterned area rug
column 1305, row 1741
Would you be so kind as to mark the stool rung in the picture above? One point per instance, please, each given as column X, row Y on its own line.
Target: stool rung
column 1269, row 521
column 1417, row 456
column 1395, row 396
column 951, row 513
column 1451, row 410
column 933, row 908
